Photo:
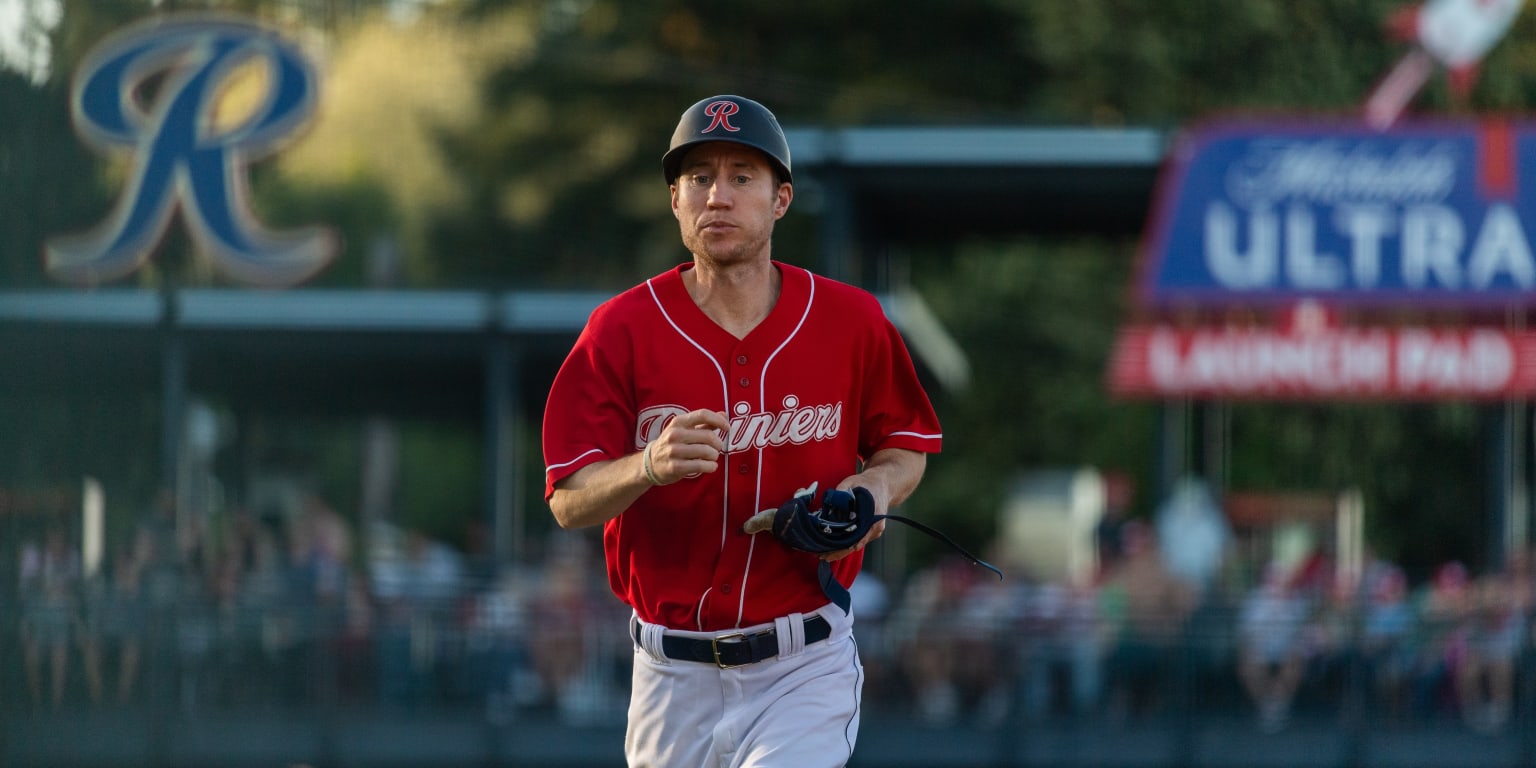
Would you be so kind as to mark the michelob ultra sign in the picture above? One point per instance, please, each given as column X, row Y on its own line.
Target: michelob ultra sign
column 1431, row 213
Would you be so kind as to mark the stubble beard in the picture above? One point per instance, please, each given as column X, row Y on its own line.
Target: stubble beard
column 725, row 254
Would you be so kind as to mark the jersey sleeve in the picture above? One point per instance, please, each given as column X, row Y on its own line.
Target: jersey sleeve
column 590, row 409
column 897, row 413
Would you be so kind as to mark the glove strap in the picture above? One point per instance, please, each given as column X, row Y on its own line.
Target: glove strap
column 947, row 540
column 832, row 588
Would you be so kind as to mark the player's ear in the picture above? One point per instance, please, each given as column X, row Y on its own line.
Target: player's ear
column 675, row 213
column 785, row 193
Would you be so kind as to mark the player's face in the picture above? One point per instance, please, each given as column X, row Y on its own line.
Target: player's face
column 726, row 201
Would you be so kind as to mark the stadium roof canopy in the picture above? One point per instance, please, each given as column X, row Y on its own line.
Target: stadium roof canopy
column 934, row 183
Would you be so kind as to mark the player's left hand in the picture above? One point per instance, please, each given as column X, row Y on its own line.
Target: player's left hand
column 875, row 531
column 882, row 505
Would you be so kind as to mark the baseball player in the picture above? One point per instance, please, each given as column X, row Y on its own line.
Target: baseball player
column 708, row 393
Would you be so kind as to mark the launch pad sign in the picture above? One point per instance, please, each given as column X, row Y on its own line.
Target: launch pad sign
column 1333, row 363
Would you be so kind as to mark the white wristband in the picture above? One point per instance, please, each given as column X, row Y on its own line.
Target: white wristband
column 645, row 463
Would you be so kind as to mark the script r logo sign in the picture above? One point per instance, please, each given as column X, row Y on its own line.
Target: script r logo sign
column 182, row 157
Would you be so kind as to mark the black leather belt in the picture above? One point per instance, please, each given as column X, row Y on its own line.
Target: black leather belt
column 735, row 649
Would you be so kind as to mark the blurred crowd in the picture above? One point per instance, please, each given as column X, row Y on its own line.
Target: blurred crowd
column 1139, row 639
column 261, row 615
column 287, row 613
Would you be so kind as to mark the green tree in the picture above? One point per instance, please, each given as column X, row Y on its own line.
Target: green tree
column 521, row 145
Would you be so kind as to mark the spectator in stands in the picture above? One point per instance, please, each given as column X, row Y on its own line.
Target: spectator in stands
column 986, row 662
column 561, row 614
column 1061, row 638
column 1386, row 638
column 1443, row 609
column 320, row 549
column 115, row 617
column 319, row 553
column 1495, row 635
column 353, row 643
column 48, row 584
column 1271, row 653
column 1118, row 495
column 498, row 629
column 416, row 589
column 925, row 630
column 1146, row 608
column 159, row 553
column 264, row 622
column 196, row 636
column 1331, row 636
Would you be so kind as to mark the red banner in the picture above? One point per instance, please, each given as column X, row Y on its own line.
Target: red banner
column 1323, row 362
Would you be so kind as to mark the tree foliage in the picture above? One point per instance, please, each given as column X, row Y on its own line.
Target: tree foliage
column 521, row 142
column 1036, row 319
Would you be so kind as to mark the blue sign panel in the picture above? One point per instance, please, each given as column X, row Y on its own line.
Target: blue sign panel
column 182, row 157
column 1423, row 214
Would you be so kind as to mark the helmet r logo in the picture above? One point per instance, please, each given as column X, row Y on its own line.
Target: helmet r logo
column 720, row 113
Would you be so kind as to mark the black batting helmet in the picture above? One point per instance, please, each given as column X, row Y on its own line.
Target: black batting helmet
column 728, row 118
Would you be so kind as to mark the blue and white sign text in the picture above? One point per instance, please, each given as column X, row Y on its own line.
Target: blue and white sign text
column 1428, row 214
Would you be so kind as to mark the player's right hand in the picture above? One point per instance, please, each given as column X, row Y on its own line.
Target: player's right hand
column 690, row 445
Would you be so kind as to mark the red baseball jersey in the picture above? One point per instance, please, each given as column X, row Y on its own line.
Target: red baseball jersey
column 823, row 382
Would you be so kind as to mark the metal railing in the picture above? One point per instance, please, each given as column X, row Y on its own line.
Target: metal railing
column 480, row 678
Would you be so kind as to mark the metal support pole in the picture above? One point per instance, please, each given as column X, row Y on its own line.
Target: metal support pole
column 1516, row 516
column 1501, row 484
column 159, row 663
column 173, row 395
column 838, row 227
column 1511, row 529
column 502, row 474
column 1172, row 429
column 1215, row 447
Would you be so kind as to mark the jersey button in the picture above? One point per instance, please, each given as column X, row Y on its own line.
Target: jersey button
column 741, row 359
column 743, row 381
column 726, row 588
column 741, row 469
